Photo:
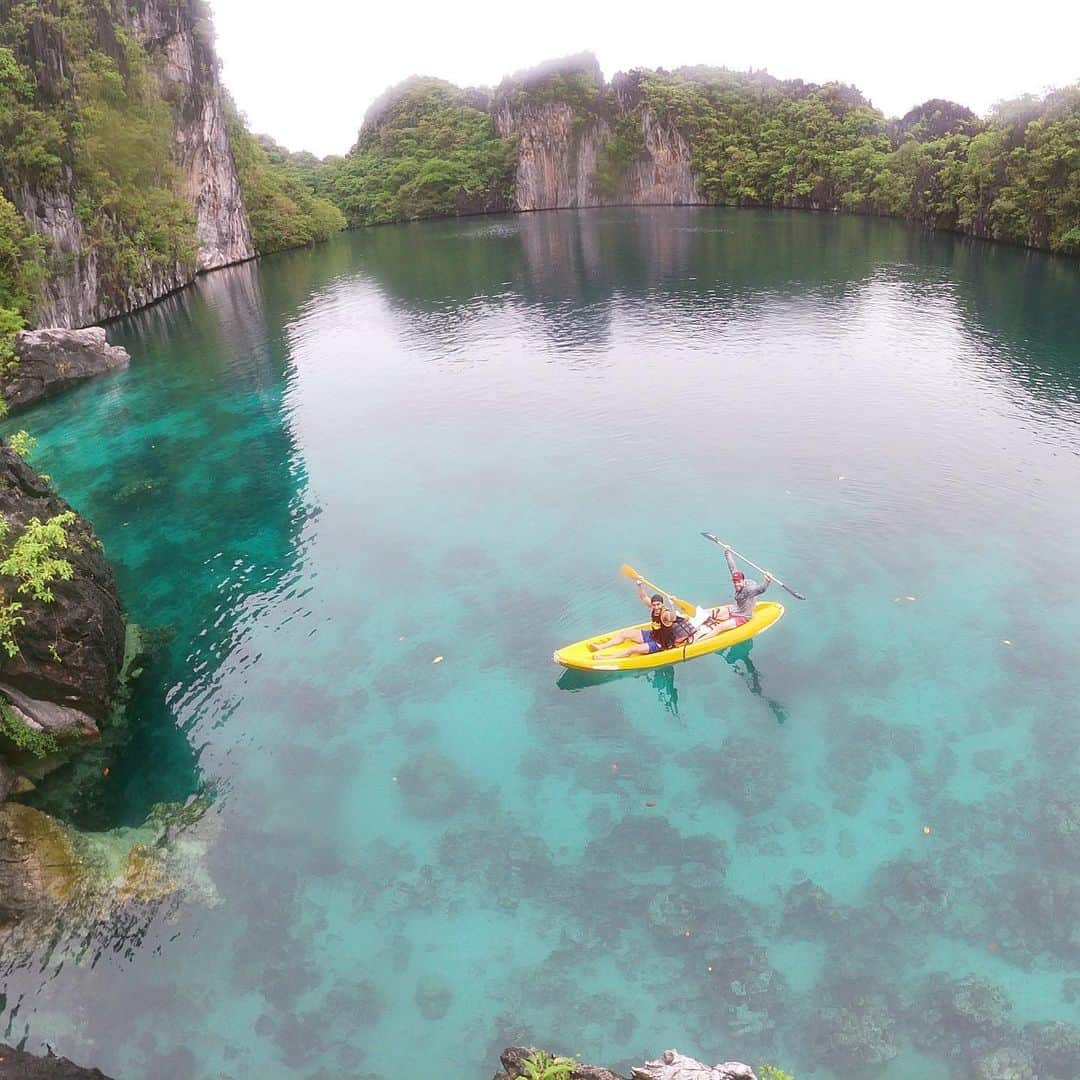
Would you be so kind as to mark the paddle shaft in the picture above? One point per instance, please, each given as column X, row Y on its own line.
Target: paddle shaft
column 717, row 540
column 683, row 605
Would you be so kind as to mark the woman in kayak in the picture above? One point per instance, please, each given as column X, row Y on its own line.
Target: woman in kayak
column 728, row 616
column 665, row 631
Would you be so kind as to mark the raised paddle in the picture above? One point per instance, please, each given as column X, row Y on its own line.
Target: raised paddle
column 717, row 540
column 684, row 606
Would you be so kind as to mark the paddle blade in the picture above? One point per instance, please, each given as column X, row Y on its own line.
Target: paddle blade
column 714, row 539
column 629, row 571
column 797, row 595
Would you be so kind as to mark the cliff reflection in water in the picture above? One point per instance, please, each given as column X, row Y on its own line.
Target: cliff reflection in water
column 201, row 415
column 571, row 269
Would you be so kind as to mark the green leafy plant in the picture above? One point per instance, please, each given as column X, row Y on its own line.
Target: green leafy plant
column 32, row 560
column 22, row 442
column 39, row 743
column 771, row 1072
column 9, row 620
column 541, row 1066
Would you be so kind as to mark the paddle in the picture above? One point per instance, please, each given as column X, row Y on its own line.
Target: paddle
column 717, row 540
column 684, row 606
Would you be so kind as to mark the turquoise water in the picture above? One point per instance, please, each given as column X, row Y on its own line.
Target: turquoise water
column 324, row 471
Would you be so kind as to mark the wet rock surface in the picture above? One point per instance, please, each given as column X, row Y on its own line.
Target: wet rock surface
column 670, row 1065
column 50, row 361
column 70, row 650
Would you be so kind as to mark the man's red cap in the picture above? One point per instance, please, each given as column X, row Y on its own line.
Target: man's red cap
column 738, row 575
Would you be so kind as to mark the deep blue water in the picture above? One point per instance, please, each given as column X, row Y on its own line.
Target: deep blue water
column 854, row 843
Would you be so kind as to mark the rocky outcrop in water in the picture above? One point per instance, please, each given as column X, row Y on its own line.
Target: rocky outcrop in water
column 671, row 1065
column 49, row 361
column 19, row 1065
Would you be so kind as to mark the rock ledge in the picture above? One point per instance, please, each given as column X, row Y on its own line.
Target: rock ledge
column 52, row 360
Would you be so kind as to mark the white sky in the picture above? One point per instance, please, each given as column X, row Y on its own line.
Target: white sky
column 305, row 71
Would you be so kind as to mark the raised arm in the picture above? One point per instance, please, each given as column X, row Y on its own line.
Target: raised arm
column 642, row 594
column 730, row 560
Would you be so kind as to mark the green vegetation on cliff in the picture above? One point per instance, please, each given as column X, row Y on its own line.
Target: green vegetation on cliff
column 92, row 121
column 425, row 151
column 278, row 190
column 757, row 141
column 85, row 122
column 20, row 274
column 429, row 149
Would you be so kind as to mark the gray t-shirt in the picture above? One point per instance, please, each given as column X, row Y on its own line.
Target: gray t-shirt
column 746, row 596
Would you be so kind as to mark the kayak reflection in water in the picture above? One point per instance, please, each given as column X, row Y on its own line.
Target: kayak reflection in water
column 738, row 656
column 663, row 679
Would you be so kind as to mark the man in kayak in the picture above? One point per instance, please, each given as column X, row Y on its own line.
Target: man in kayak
column 728, row 616
column 660, row 634
column 672, row 632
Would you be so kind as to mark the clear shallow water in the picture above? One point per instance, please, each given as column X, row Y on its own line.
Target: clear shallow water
column 325, row 470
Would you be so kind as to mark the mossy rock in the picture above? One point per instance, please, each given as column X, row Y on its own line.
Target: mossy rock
column 40, row 868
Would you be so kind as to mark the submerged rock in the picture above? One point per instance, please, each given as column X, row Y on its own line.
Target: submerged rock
column 1005, row 1064
column 433, row 997
column 53, row 875
column 49, row 361
column 39, row 868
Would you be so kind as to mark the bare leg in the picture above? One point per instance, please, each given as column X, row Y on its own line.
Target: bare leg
column 631, row 650
column 617, row 639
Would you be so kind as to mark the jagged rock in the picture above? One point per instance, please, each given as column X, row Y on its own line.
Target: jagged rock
column 49, row 717
column 65, row 673
column 513, row 1063
column 671, row 1065
column 52, row 360
column 19, row 1065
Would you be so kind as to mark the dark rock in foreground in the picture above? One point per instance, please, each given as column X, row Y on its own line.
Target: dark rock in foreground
column 670, row 1065
column 19, row 1065
column 52, row 360
column 64, row 677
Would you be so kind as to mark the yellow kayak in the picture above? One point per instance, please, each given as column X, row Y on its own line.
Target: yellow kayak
column 581, row 657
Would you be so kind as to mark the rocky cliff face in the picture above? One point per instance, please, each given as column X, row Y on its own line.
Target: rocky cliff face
column 560, row 147
column 179, row 40
column 662, row 176
column 179, row 46
column 557, row 153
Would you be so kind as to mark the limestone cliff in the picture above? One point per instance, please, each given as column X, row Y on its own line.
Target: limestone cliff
column 565, row 119
column 557, row 153
column 177, row 36
column 84, row 285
